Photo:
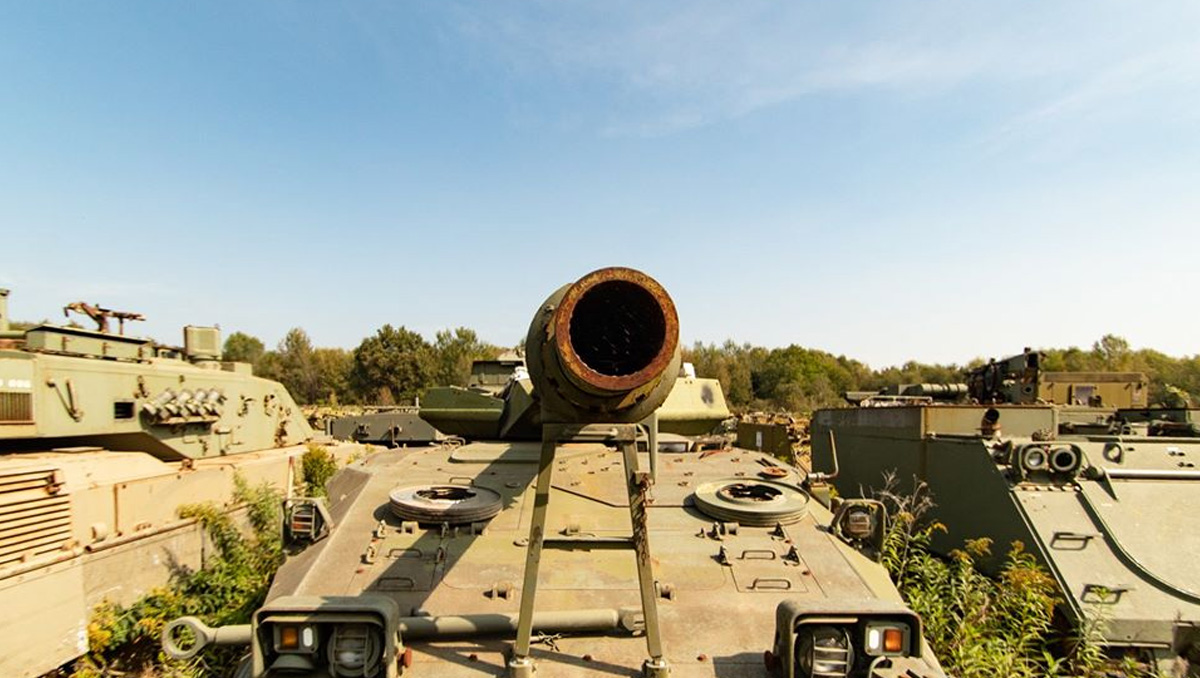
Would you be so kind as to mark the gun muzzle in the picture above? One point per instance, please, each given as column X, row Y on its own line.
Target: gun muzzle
column 605, row 348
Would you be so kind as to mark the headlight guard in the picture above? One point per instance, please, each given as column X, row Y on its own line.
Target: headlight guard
column 843, row 635
column 360, row 632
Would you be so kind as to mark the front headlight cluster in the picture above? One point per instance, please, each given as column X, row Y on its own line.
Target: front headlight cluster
column 1058, row 460
column 813, row 643
column 339, row 637
column 827, row 650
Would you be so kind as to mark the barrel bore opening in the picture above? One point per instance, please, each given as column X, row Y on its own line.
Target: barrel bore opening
column 617, row 328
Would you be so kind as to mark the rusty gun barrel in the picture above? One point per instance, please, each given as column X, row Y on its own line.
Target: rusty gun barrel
column 604, row 348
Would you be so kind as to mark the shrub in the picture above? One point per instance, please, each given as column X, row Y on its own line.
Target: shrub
column 983, row 627
column 317, row 466
column 125, row 639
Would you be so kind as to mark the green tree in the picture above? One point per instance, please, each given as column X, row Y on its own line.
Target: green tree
column 1113, row 353
column 243, row 348
column 298, row 367
column 269, row 366
column 798, row 378
column 731, row 364
column 393, row 366
column 333, row 367
column 453, row 353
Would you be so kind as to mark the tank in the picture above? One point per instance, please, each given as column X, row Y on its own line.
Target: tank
column 1094, row 491
column 102, row 437
column 574, row 554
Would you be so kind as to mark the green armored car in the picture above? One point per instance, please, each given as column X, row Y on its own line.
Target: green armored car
column 1100, row 489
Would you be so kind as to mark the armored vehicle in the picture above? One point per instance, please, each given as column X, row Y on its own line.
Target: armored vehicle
column 1020, row 379
column 102, row 437
column 386, row 426
column 499, row 403
column 576, row 554
column 1094, row 492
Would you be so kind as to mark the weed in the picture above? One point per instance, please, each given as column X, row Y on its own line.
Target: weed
column 979, row 626
column 317, row 466
column 124, row 639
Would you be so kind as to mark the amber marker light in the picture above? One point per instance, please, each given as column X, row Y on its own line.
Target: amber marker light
column 289, row 638
column 893, row 640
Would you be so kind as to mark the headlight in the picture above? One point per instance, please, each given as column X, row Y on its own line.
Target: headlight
column 1033, row 458
column 813, row 639
column 331, row 636
column 1064, row 460
column 861, row 523
column 305, row 520
column 1059, row 460
column 354, row 649
column 823, row 651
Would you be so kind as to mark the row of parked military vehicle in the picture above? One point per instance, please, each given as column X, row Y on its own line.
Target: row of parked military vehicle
column 567, row 515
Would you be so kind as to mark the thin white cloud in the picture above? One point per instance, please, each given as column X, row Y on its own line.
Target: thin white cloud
column 679, row 66
column 1163, row 83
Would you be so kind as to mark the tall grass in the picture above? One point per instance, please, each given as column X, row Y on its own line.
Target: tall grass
column 988, row 627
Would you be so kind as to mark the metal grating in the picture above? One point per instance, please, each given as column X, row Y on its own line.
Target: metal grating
column 33, row 520
column 16, row 406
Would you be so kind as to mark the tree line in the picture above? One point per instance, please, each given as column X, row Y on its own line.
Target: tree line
column 396, row 365
column 393, row 366
column 799, row 379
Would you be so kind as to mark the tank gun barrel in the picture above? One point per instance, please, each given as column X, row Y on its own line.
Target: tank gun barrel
column 604, row 348
column 937, row 391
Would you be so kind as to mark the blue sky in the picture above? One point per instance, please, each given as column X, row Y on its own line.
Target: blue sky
column 887, row 180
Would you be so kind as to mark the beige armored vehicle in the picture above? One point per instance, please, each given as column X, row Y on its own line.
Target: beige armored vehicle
column 575, row 554
column 103, row 437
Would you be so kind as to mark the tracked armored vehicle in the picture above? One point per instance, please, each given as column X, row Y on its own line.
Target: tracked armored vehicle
column 102, row 438
column 575, row 554
column 385, row 426
column 1098, row 492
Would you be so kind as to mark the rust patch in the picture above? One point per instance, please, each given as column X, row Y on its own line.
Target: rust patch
column 568, row 354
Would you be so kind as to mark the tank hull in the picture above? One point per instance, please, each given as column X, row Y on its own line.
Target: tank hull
column 717, row 620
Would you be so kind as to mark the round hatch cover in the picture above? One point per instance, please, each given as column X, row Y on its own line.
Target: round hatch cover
column 445, row 503
column 752, row 502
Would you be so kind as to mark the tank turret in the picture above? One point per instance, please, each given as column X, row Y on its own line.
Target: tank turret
column 602, row 349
